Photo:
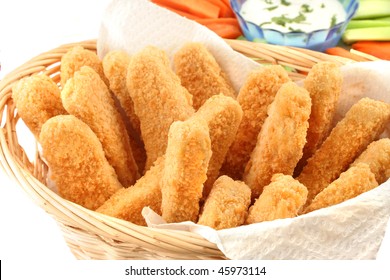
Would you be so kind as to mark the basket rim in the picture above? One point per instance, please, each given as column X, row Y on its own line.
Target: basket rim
column 113, row 231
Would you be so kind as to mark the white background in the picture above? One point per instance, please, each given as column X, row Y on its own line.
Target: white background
column 27, row 28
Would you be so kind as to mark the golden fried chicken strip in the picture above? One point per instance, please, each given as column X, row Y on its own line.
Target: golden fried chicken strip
column 223, row 116
column 227, row 205
column 362, row 124
column 77, row 162
column 281, row 139
column 159, row 99
column 127, row 203
column 37, row 99
column 356, row 180
column 324, row 85
column 255, row 96
column 186, row 160
column 76, row 58
column 200, row 73
column 88, row 98
column 115, row 64
column 377, row 156
column 282, row 198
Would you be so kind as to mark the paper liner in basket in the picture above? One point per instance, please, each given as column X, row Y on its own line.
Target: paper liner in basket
column 351, row 230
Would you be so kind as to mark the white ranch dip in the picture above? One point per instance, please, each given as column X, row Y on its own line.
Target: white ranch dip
column 293, row 15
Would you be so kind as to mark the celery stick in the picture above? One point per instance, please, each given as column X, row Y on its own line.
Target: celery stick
column 372, row 9
column 369, row 33
column 364, row 23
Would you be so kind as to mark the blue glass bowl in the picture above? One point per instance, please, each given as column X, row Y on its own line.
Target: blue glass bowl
column 318, row 40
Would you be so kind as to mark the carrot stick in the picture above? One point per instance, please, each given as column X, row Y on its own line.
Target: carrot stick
column 344, row 53
column 226, row 20
column 227, row 2
column 227, row 31
column 199, row 8
column 365, row 55
column 371, row 44
column 184, row 14
column 379, row 49
column 225, row 10
column 381, row 52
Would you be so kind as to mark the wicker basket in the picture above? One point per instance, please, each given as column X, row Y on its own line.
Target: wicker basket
column 91, row 235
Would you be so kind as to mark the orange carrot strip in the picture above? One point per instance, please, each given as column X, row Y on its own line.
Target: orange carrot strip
column 232, row 21
column 227, row 2
column 184, row 14
column 379, row 49
column 199, row 8
column 227, row 31
column 344, row 53
column 225, row 10
column 371, row 44
column 381, row 52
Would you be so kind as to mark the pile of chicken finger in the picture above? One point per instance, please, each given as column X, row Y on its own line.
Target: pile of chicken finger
column 134, row 131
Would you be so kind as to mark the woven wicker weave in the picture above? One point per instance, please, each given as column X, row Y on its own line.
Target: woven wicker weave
column 91, row 235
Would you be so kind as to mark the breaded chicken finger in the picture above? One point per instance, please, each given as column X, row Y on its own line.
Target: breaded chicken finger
column 77, row 162
column 186, row 160
column 281, row 139
column 377, row 156
column 87, row 97
column 324, row 85
column 159, row 99
column 362, row 124
column 223, row 116
column 356, row 180
column 227, row 205
column 255, row 96
column 282, row 198
column 127, row 203
column 37, row 99
column 115, row 64
column 76, row 58
column 200, row 73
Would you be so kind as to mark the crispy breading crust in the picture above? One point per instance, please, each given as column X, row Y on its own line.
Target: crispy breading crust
column 115, row 64
column 76, row 58
column 324, row 85
column 362, row 124
column 37, row 99
column 282, row 198
column 255, row 96
column 87, row 97
column 223, row 116
column 200, row 73
column 159, row 99
column 227, row 205
column 77, row 162
column 127, row 204
column 186, row 160
column 356, row 180
column 281, row 139
column 377, row 156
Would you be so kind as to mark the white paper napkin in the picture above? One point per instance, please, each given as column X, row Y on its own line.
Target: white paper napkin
column 132, row 25
column 351, row 230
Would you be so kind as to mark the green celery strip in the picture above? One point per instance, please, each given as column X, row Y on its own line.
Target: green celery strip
column 364, row 23
column 370, row 33
column 373, row 9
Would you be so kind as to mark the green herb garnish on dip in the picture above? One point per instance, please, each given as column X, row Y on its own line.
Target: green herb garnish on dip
column 293, row 15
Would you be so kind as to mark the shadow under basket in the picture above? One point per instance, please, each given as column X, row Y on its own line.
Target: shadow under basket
column 91, row 235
